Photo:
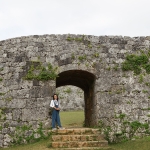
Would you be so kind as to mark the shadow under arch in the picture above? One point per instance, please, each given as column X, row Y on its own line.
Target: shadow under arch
column 85, row 81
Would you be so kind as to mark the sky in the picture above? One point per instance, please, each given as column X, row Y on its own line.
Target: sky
column 89, row 17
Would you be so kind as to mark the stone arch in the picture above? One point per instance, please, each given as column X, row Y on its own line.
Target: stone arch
column 86, row 81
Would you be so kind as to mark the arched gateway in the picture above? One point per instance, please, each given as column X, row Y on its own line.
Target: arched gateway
column 92, row 63
column 86, row 81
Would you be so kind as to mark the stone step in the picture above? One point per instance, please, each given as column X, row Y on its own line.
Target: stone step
column 84, row 148
column 78, row 131
column 77, row 144
column 78, row 138
column 65, row 138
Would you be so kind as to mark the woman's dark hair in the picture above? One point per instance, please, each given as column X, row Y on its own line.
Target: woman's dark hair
column 56, row 95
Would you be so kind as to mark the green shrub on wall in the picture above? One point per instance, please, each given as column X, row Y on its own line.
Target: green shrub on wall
column 2, row 115
column 135, row 63
column 26, row 134
column 81, row 58
column 41, row 72
column 77, row 39
column 122, row 129
column 1, row 69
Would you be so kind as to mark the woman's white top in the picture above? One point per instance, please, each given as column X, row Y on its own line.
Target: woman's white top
column 53, row 103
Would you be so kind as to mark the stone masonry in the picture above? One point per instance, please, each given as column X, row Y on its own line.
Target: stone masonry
column 92, row 63
column 71, row 98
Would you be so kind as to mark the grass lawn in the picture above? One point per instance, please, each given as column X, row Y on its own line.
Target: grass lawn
column 42, row 145
column 138, row 144
column 75, row 119
column 72, row 118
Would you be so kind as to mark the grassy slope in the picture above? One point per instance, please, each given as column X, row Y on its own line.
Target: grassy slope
column 75, row 119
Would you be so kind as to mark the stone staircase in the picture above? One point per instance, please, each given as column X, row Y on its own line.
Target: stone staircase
column 78, row 138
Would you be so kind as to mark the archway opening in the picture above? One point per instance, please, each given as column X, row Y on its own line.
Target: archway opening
column 86, row 82
column 72, row 106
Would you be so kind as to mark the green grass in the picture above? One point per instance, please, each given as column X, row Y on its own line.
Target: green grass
column 75, row 119
column 72, row 118
column 138, row 144
column 42, row 145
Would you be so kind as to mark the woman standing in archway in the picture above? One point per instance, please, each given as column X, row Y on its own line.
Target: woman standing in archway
column 55, row 113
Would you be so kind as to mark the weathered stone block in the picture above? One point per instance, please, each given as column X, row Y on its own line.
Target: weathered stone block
column 34, row 114
column 65, row 61
column 43, row 102
column 31, row 103
column 35, row 92
column 16, row 113
column 17, row 103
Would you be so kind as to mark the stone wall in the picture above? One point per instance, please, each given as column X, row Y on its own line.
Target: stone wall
column 71, row 98
column 92, row 63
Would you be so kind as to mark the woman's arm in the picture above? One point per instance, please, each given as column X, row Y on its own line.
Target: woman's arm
column 52, row 104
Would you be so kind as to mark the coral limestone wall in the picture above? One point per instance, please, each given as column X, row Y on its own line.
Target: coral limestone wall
column 71, row 98
column 28, row 78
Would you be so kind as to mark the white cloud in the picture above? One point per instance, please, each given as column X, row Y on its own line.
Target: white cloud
column 96, row 17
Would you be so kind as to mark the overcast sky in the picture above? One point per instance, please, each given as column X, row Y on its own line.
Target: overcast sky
column 92, row 17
